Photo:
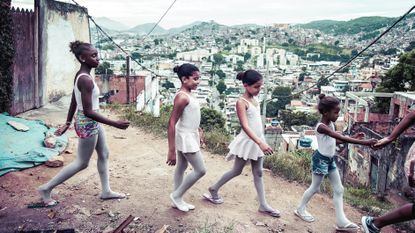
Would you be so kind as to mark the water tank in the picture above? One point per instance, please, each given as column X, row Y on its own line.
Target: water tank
column 305, row 142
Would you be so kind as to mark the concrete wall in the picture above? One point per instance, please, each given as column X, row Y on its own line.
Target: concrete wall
column 116, row 86
column 390, row 159
column 60, row 23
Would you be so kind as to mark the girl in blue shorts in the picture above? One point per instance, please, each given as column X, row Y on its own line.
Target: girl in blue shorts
column 323, row 163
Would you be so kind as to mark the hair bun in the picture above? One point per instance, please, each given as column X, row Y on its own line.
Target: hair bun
column 176, row 69
column 74, row 45
column 240, row 75
column 321, row 96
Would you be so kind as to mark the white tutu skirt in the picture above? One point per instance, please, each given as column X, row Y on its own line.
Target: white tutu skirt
column 245, row 148
column 187, row 142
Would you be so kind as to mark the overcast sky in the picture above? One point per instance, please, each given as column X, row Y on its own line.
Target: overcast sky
column 231, row 12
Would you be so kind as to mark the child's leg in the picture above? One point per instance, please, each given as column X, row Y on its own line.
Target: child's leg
column 257, row 172
column 102, row 164
column 338, row 191
column 199, row 170
column 85, row 149
column 238, row 166
column 181, row 166
column 309, row 193
column 401, row 214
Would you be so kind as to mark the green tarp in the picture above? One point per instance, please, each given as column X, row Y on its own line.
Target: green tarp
column 20, row 150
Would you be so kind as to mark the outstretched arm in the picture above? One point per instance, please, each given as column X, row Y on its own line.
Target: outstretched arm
column 406, row 122
column 324, row 129
column 86, row 86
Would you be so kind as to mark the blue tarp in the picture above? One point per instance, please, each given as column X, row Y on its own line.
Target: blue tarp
column 20, row 150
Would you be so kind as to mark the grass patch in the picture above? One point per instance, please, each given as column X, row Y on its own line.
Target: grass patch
column 296, row 166
column 216, row 139
column 212, row 228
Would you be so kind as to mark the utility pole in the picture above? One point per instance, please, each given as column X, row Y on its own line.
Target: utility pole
column 127, row 79
column 264, row 103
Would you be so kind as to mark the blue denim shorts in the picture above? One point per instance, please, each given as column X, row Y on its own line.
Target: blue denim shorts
column 321, row 164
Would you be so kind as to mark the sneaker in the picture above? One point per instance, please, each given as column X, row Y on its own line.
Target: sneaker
column 368, row 226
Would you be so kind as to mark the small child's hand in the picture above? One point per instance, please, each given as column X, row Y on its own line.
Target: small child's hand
column 171, row 158
column 122, row 124
column 370, row 142
column 202, row 138
column 382, row 142
column 61, row 130
column 266, row 148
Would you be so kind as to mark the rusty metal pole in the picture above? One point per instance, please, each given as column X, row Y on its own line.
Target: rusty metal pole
column 127, row 79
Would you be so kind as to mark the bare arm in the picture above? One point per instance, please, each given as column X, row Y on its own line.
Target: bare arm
column 324, row 129
column 71, row 112
column 86, row 86
column 406, row 122
column 180, row 102
column 72, row 109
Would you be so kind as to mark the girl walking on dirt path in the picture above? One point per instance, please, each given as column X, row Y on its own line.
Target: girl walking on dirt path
column 184, row 137
column 323, row 162
column 250, row 143
column 91, row 134
column 407, row 211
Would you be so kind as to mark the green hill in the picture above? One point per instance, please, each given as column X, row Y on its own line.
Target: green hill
column 362, row 24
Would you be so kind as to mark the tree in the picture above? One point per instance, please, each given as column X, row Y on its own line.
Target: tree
column 301, row 77
column 399, row 78
column 354, row 52
column 227, row 48
column 136, row 55
column 274, row 106
column 336, row 43
column 211, row 119
column 322, row 82
column 158, row 41
column 218, row 59
column 104, row 68
column 411, row 45
column 221, row 87
column 168, row 84
column 247, row 56
column 291, row 118
column 239, row 66
column 221, row 74
column 221, row 105
column 402, row 76
column 7, row 51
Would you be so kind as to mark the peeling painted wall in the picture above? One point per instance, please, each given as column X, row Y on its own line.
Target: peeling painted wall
column 60, row 23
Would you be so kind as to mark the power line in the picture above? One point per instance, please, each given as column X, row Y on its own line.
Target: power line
column 161, row 18
column 353, row 58
column 118, row 46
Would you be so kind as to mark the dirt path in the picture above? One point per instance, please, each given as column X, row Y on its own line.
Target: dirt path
column 137, row 167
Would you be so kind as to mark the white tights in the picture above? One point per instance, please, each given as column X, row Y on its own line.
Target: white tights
column 199, row 170
column 86, row 147
column 338, row 190
column 257, row 172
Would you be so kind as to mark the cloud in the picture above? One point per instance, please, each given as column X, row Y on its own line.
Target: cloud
column 231, row 12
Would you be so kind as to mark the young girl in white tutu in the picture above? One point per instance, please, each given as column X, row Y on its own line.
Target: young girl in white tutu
column 249, row 145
